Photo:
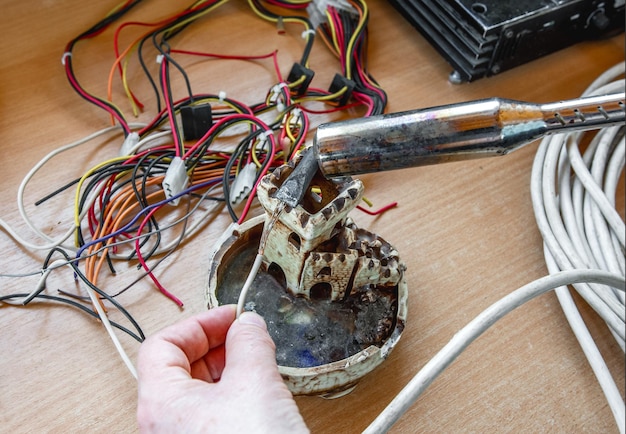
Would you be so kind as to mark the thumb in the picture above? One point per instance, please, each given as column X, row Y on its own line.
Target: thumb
column 250, row 350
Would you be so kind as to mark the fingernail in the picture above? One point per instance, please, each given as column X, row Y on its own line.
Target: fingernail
column 252, row 318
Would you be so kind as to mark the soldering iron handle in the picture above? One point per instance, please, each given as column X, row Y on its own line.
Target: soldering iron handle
column 454, row 132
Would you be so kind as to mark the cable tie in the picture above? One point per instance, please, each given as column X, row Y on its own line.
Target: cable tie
column 159, row 58
column 65, row 56
column 296, row 112
column 293, row 117
column 275, row 91
column 307, row 32
column 265, row 134
column 262, row 140
column 221, row 95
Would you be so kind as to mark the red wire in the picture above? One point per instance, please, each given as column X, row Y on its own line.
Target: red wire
column 287, row 5
column 273, row 55
column 145, row 266
column 91, row 98
column 246, row 208
column 216, row 125
column 378, row 211
column 170, row 109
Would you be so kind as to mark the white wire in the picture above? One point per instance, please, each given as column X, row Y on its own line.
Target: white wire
column 38, row 166
column 473, row 330
column 50, row 242
column 590, row 349
column 107, row 325
column 258, row 260
column 584, row 240
column 578, row 193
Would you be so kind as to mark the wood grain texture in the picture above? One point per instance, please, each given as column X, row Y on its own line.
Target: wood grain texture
column 465, row 230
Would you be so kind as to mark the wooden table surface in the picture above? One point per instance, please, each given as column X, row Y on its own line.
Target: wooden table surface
column 466, row 232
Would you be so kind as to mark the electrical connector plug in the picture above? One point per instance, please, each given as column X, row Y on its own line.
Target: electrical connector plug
column 175, row 180
column 338, row 83
column 243, row 184
column 317, row 10
column 301, row 75
column 128, row 147
column 196, row 119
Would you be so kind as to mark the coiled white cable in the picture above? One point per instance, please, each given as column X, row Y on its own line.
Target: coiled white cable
column 574, row 201
column 584, row 239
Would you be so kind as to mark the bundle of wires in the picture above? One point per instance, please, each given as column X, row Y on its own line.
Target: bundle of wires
column 584, row 240
column 345, row 33
column 121, row 207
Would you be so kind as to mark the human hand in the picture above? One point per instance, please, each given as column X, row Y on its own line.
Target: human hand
column 212, row 373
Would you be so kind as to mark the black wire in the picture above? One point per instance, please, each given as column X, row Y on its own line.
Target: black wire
column 167, row 34
column 306, row 22
column 71, row 303
column 82, row 277
column 57, row 191
column 239, row 150
column 153, row 225
column 91, row 32
column 104, row 23
column 144, row 67
column 166, row 88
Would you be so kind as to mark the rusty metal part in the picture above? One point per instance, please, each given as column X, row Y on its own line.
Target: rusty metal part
column 454, row 132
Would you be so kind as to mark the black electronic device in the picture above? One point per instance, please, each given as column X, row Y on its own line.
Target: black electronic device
column 483, row 38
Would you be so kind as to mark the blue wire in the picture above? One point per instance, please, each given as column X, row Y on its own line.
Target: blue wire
column 143, row 212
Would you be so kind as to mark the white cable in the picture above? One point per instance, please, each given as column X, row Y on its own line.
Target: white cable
column 258, row 260
column 39, row 165
column 584, row 240
column 107, row 325
column 577, row 192
column 49, row 241
column 473, row 330
column 590, row 349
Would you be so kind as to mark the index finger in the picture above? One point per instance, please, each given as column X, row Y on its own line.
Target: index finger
column 183, row 343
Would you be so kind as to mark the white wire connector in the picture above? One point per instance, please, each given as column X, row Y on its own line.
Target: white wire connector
column 243, row 184
column 221, row 95
column 317, row 10
column 159, row 58
column 176, row 180
column 130, row 142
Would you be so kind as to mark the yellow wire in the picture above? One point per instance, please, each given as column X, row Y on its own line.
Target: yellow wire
column 115, row 9
column 127, row 88
column 333, row 32
column 273, row 19
column 79, row 187
column 352, row 41
column 190, row 19
column 297, row 82
column 324, row 97
column 253, row 153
